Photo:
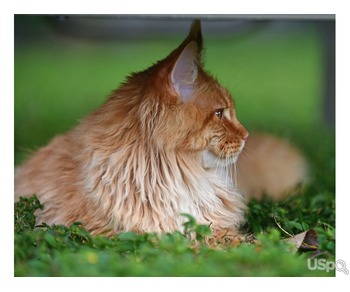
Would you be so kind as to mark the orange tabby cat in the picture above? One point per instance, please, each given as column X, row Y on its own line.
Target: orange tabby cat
column 164, row 143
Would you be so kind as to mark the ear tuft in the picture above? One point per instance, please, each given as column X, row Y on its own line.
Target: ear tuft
column 195, row 34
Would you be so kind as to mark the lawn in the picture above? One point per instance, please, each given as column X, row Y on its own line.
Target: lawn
column 276, row 79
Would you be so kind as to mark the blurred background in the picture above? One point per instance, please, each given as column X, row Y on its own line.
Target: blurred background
column 279, row 69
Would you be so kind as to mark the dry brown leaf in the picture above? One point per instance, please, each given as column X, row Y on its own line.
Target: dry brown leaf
column 305, row 241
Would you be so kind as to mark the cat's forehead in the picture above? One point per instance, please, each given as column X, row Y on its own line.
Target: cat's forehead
column 213, row 95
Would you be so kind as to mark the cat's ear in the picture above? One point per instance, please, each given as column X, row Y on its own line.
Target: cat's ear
column 185, row 70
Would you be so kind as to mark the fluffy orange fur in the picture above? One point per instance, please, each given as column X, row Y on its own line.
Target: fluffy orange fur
column 270, row 167
column 164, row 143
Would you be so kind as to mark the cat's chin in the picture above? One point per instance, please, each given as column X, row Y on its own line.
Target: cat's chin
column 211, row 161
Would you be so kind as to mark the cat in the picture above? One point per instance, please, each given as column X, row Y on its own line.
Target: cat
column 164, row 143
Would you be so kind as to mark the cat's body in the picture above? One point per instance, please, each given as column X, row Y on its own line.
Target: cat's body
column 163, row 144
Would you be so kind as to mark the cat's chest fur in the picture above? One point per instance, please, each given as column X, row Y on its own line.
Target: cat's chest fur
column 144, row 189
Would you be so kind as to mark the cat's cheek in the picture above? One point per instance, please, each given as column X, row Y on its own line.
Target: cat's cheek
column 194, row 144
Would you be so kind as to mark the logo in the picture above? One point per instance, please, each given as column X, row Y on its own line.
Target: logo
column 324, row 265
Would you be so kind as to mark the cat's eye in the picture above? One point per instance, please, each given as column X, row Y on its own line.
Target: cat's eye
column 219, row 113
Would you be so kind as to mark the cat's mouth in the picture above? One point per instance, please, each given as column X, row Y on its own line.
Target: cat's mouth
column 211, row 160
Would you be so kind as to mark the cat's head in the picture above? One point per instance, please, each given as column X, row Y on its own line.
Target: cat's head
column 188, row 110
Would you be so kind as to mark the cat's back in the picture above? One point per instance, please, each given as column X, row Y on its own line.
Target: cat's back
column 270, row 166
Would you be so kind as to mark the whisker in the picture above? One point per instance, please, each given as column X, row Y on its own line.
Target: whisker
column 217, row 160
column 235, row 174
column 245, row 155
column 222, row 170
column 229, row 176
column 246, row 151
column 226, row 176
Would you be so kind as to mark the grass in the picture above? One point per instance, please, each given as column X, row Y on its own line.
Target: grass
column 71, row 251
column 276, row 80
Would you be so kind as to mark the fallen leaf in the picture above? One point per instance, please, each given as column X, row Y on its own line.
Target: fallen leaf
column 305, row 241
